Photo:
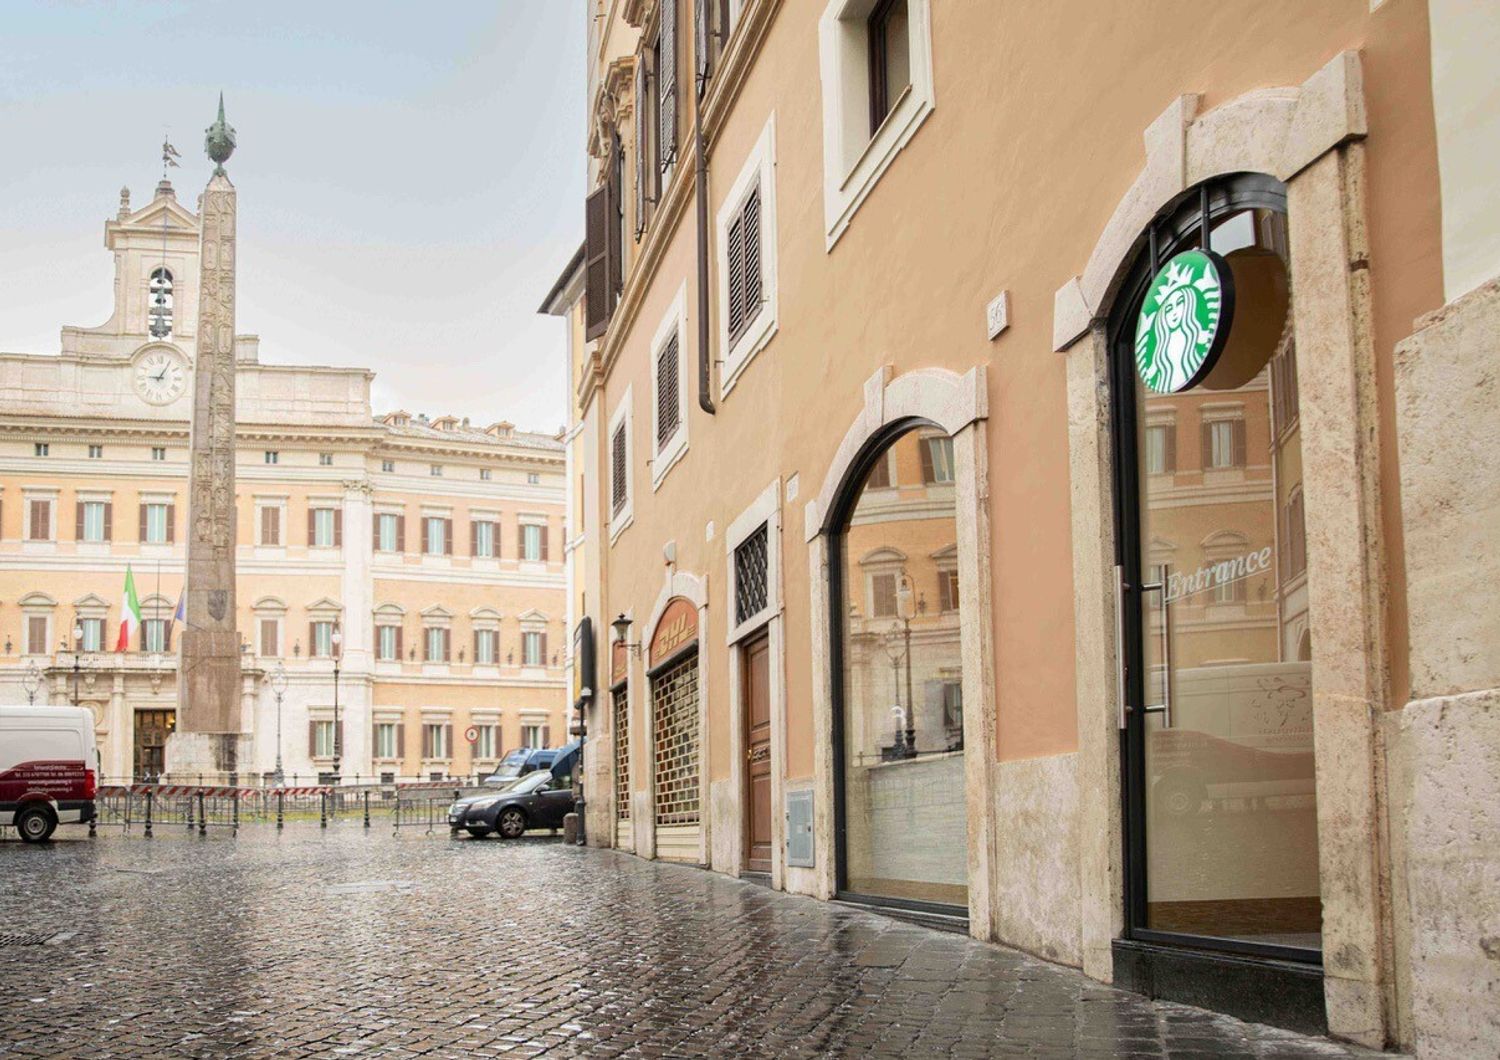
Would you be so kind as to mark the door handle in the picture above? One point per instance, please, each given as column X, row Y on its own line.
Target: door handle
column 1164, row 708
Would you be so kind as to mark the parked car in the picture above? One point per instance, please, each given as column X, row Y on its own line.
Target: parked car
column 48, row 761
column 540, row 799
column 516, row 764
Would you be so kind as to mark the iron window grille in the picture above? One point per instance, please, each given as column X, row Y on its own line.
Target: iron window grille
column 622, row 754
column 751, row 592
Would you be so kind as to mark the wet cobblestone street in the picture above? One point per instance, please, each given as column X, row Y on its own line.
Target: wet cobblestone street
column 352, row 944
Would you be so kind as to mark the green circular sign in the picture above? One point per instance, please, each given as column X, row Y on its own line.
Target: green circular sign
column 1184, row 321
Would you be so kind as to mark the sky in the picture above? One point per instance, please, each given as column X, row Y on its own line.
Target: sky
column 410, row 177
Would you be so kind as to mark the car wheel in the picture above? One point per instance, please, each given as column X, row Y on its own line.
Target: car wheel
column 512, row 822
column 478, row 833
column 36, row 824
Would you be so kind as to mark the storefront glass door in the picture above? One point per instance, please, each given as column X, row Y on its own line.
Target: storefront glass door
column 1223, row 821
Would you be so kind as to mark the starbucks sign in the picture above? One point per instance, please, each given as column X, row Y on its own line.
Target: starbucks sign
column 1184, row 321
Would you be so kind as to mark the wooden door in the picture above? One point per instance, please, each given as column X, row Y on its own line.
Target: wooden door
column 756, row 675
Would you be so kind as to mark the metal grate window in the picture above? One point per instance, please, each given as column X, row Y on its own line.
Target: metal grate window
column 617, row 470
column 668, row 408
column 622, row 754
column 750, row 590
column 674, row 696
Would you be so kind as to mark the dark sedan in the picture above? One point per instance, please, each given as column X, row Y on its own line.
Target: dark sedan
column 537, row 800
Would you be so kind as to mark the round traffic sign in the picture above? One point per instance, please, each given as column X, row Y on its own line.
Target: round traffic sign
column 472, row 733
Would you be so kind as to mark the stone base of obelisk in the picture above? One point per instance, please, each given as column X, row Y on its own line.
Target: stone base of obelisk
column 209, row 757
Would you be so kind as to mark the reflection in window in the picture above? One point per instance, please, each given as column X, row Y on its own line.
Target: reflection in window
column 901, row 700
column 890, row 57
column 160, row 304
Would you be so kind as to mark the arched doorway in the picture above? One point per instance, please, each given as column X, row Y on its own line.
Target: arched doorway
column 676, row 733
column 897, row 674
column 1221, row 808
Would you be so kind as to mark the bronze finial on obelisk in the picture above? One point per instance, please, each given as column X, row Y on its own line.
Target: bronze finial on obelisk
column 209, row 737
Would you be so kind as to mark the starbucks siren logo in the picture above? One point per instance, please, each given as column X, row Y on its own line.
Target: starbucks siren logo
column 1184, row 321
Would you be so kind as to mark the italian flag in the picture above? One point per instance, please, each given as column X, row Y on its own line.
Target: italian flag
column 130, row 612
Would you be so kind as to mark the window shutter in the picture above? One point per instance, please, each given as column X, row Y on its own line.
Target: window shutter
column 944, row 601
column 617, row 470
column 338, row 528
column 375, row 532
column 1207, row 433
column 78, row 521
column 448, row 740
column 924, row 447
column 1169, row 446
column 473, row 538
column 542, row 639
column 700, row 44
column 667, row 83
column 668, row 402
column 312, row 739
column 546, row 533
column 312, row 527
column 398, row 644
column 426, row 741
column 338, row 738
column 614, row 231
column 143, row 525
column 109, row 520
column 400, row 533
column 735, row 255
column 312, row 639
column 642, row 170
column 477, row 634
column 401, row 739
column 171, row 523
column 1239, row 443
column 598, row 297
column 447, row 645
column 447, row 537
column 751, row 216
column 546, row 735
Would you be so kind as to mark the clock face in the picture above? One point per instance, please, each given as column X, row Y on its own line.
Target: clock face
column 160, row 377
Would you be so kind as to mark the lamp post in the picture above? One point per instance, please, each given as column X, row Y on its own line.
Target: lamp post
column 338, row 742
column 31, row 681
column 277, row 681
column 907, row 612
column 77, row 658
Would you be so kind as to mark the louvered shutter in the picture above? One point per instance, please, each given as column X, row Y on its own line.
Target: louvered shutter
column 598, row 298
column 668, row 413
column 338, row 528
column 735, row 254
column 338, row 738
column 1238, row 432
column 447, row 645
column 924, row 448
column 143, row 525
column 312, row 739
column 426, row 740
column 642, row 132
column 109, row 521
column 312, row 527
column 448, row 740
column 542, row 638
column 171, row 523
column 399, row 655
column 375, row 532
column 477, row 634
column 546, row 735
column 401, row 739
column 1169, row 446
column 78, row 521
column 473, row 538
column 751, row 218
column 667, row 84
column 1207, row 433
column 546, row 533
column 400, row 533
column 447, row 537
column 617, row 470
column 312, row 639
column 614, row 230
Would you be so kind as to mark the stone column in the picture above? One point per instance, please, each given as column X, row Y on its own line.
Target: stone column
column 209, row 737
column 357, row 588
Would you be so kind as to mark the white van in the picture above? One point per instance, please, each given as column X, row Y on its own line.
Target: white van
column 48, row 763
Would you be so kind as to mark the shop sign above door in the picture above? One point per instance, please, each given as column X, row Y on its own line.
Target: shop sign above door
column 677, row 629
column 1184, row 321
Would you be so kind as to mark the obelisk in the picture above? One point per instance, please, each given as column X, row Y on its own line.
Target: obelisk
column 209, row 739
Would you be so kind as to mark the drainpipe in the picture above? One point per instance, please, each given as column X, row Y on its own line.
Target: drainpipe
column 700, row 191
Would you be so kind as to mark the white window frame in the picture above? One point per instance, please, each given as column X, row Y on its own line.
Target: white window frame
column 324, row 517
column 156, row 520
column 853, row 160
column 618, row 521
column 380, row 518
column 486, row 523
column 765, row 511
column 279, row 503
column 96, row 452
column 526, row 638
column 322, row 748
column 393, row 727
column 665, row 456
column 93, row 535
column 158, row 452
column 759, row 168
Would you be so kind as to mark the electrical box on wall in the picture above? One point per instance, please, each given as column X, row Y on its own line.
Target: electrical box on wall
column 799, row 829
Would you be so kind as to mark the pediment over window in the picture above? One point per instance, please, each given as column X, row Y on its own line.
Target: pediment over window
column 91, row 603
column 325, row 606
column 389, row 611
column 947, row 554
column 37, row 599
column 1226, row 540
column 270, row 603
column 486, row 612
column 436, row 611
column 884, row 554
column 532, row 615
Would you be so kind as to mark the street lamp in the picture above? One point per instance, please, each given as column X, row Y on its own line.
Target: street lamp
column 338, row 742
column 907, row 612
column 31, row 681
column 277, row 681
column 77, row 657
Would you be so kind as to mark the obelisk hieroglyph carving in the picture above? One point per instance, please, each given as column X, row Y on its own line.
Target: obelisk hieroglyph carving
column 209, row 735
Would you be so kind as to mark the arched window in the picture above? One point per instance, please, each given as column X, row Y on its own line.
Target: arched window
column 899, row 737
column 159, row 304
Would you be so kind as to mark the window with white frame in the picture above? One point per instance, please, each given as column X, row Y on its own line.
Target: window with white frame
column 534, row 542
column 533, row 479
column 436, row 642
column 533, row 648
column 154, row 635
column 437, row 535
column 96, row 452
column 435, row 740
column 385, row 739
column 157, row 520
column 272, row 456
column 486, row 474
column 486, row 647
column 320, row 639
column 1161, row 448
column 388, row 465
column 620, row 501
column 532, row 735
column 669, row 388
column 937, row 460
column 1223, row 444
column 93, row 521
column 93, row 633
column 484, row 746
column 324, row 528
column 387, row 532
column 42, row 449
column 325, row 459
column 746, row 234
column 388, row 642
column 485, row 538
column 158, row 452
column 435, row 470
column 875, row 59
column 323, row 739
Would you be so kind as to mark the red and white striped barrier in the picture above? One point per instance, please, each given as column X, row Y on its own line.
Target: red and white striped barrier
column 160, row 790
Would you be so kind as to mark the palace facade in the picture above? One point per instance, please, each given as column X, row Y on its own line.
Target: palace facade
column 401, row 575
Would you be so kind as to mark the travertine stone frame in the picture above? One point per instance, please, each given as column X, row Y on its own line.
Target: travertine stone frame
column 1306, row 136
column 959, row 405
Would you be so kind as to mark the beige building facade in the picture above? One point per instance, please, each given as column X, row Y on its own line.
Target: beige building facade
column 925, row 573
column 423, row 556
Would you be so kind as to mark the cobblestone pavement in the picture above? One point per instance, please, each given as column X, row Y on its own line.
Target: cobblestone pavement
column 352, row 944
